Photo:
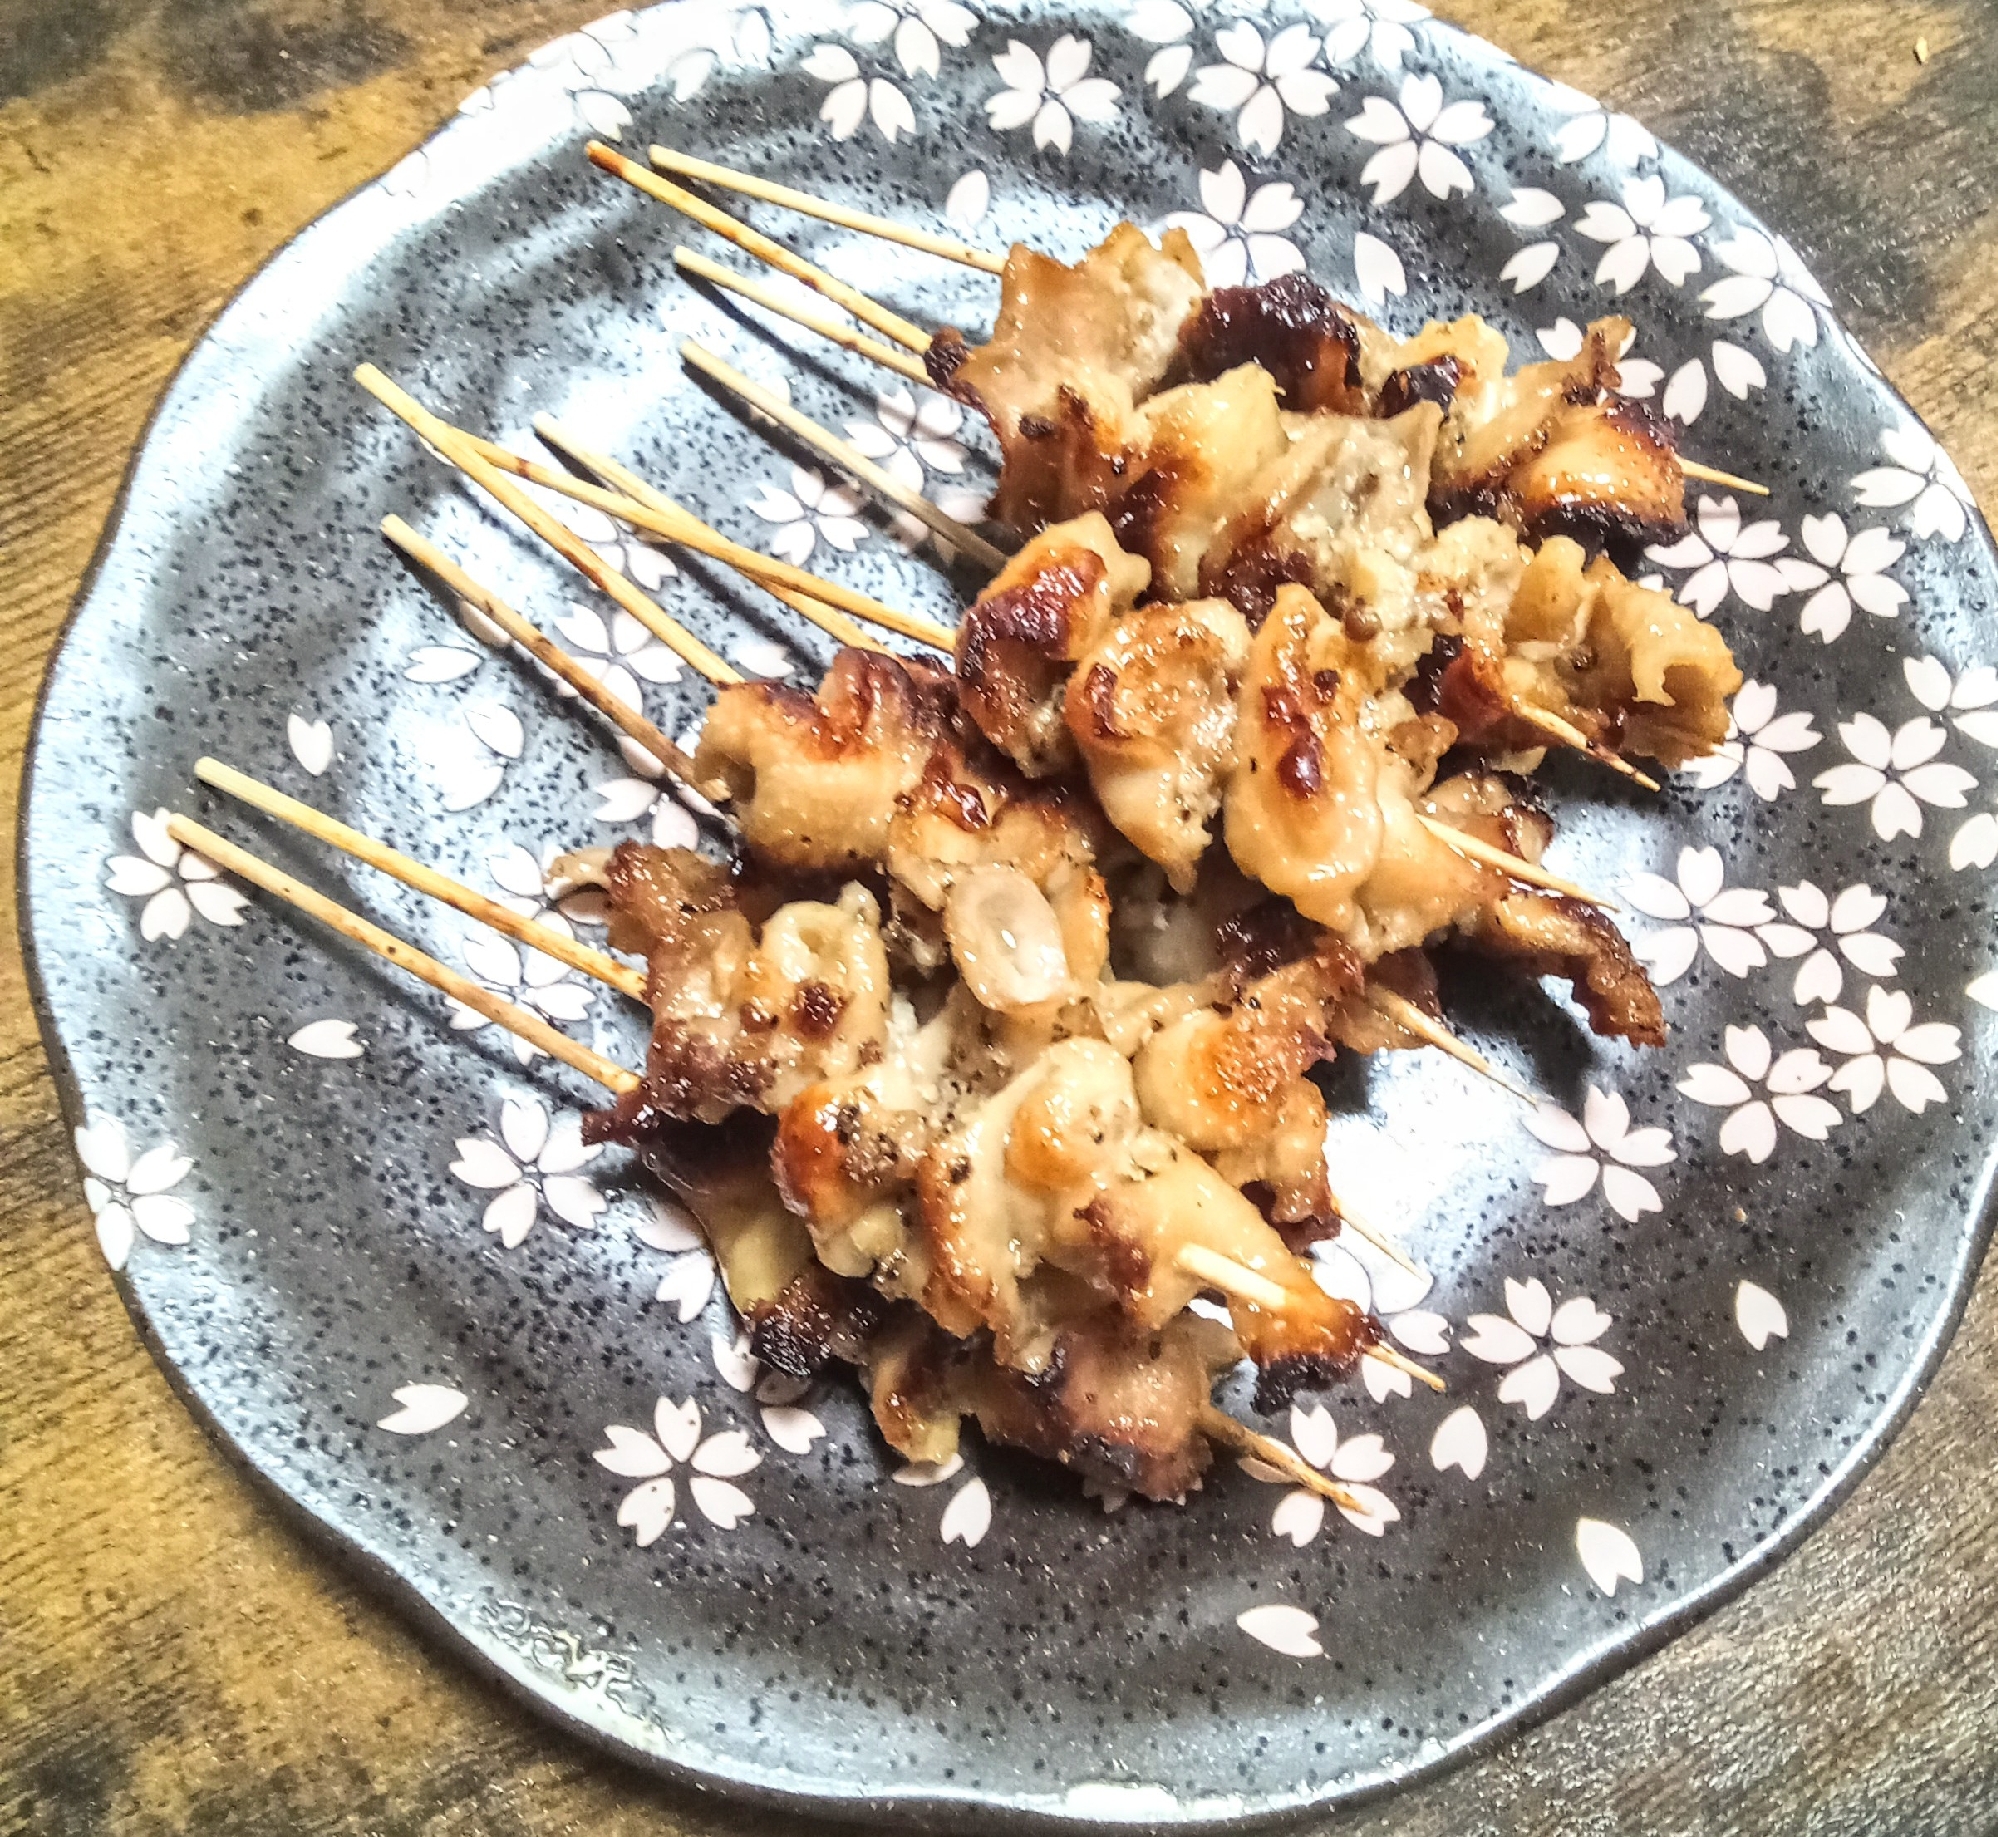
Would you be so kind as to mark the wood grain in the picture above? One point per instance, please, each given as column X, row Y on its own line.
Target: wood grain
column 173, row 1657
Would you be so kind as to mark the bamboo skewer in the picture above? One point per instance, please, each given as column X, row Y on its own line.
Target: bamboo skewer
column 459, row 447
column 1400, row 1361
column 1375, row 1236
column 1517, row 867
column 1217, row 1425
column 769, row 192
column 1404, row 1013
column 753, row 242
column 1709, row 475
column 433, row 560
column 960, row 536
column 799, row 313
column 624, row 977
column 1568, row 734
column 529, row 1027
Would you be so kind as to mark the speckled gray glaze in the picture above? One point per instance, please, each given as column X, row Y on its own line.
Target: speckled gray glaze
column 832, row 1651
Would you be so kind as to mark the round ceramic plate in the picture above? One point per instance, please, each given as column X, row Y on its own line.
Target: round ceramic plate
column 1678, row 1308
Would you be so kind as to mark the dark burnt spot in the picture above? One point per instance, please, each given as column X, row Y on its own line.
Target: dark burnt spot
column 815, row 1010
column 1249, row 576
column 1038, row 427
column 944, row 359
column 1125, row 1265
column 1301, row 769
column 1099, row 701
column 1306, row 340
column 1280, row 1378
column 819, row 1318
column 1326, row 682
column 1431, row 382
column 1141, row 510
column 1262, row 938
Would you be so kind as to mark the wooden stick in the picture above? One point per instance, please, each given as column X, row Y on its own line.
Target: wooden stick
column 1568, row 734
column 1693, row 469
column 765, row 568
column 433, row 560
column 623, row 977
column 960, row 536
column 1374, row 1235
column 463, row 451
column 844, row 215
column 753, row 242
column 529, row 1027
column 1390, row 1355
column 1404, row 1013
column 766, row 296
column 1516, row 867
column 1218, row 1426
column 1232, row 1278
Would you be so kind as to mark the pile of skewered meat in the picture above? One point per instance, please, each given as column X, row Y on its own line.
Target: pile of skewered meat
column 995, row 1042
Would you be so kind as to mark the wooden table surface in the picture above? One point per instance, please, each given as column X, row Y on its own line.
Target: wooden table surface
column 172, row 1657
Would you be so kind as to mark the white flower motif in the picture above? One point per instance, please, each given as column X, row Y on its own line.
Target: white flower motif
column 968, row 1516
column 532, row 1163
column 1759, row 1315
column 650, row 1459
column 1647, row 230
column 1239, row 237
column 131, row 1197
column 1923, row 475
column 1699, row 910
column 1379, row 26
column 1976, row 843
column 1590, row 125
column 1849, row 919
column 812, row 509
column 544, row 984
column 968, row 201
column 919, row 27
column 1053, row 96
column 853, row 97
column 903, row 439
column 174, row 882
column 1419, row 138
column 311, row 743
column 1285, row 1629
column 1169, row 25
column 1757, row 739
column 1571, row 1330
column 1608, row 1553
column 1897, row 773
column 651, row 794
column 1264, row 81
column 689, row 1279
column 1353, row 1270
column 1750, row 1128
column 1602, row 1142
column 1724, row 553
column 1767, row 278
column 425, row 1408
column 1532, row 209
column 1966, row 700
column 1354, row 1462
column 1377, row 270
column 1847, row 572
column 1885, row 1050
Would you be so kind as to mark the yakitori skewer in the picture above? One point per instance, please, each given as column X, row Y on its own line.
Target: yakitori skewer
column 986, row 261
column 799, row 313
column 1565, row 733
column 1516, row 867
column 966, row 540
column 1404, row 1013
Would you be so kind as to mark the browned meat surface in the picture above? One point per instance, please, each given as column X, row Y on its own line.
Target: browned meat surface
column 1294, row 329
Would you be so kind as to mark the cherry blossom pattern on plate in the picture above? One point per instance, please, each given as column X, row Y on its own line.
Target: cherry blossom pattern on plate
column 1760, row 1089
column 968, row 1516
column 532, row 1163
column 1758, row 738
column 649, row 793
column 423, row 1408
column 131, row 1196
column 1383, row 28
column 1983, row 990
column 968, row 200
column 780, row 1403
column 689, row 1279
column 328, row 1039
column 907, row 440
column 853, row 97
column 175, row 882
column 812, row 511
column 1847, row 570
column 1591, row 128
column 1377, row 270
column 1699, row 912
column 1920, row 475
column 1600, row 1145
column 470, row 760
column 1053, row 95
column 1647, row 230
column 1726, row 554
column 1541, row 1344
column 1759, row 1315
column 1351, row 1269
column 1765, row 278
column 735, row 1363
column 1461, row 1442
column 713, row 1465
column 1355, row 1461
column 1887, row 1051
column 1608, row 1553
column 1824, row 930
column 1169, row 25
column 1894, row 773
column 1418, row 136
column 1263, row 82
column 1240, row 234
column 722, row 36
column 311, row 743
column 515, row 972
column 1965, row 701
column 1285, row 1629
column 1532, row 209
column 920, row 29
column 1736, row 370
